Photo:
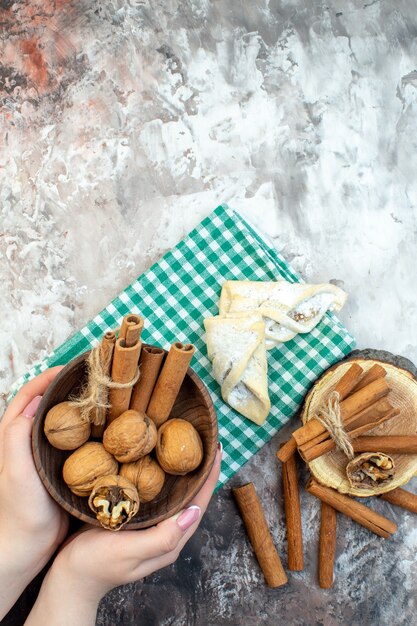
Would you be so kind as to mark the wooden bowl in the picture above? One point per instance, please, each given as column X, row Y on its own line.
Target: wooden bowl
column 193, row 404
column 330, row 469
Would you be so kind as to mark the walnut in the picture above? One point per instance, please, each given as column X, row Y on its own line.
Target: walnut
column 64, row 427
column 147, row 476
column 85, row 465
column 130, row 436
column 115, row 501
column 370, row 469
column 179, row 449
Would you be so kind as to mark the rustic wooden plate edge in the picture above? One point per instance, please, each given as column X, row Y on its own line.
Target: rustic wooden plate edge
column 356, row 355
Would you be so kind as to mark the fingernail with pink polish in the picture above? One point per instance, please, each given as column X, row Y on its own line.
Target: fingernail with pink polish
column 32, row 407
column 188, row 517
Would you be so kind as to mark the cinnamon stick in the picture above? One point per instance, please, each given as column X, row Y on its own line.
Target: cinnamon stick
column 130, row 330
column 150, row 363
column 293, row 515
column 389, row 444
column 287, row 450
column 401, row 497
column 371, row 414
column 327, row 549
column 357, row 432
column 355, row 403
column 364, row 398
column 344, row 386
column 358, row 512
column 124, row 368
column 318, row 450
column 169, row 382
column 348, row 381
column 254, row 519
column 98, row 417
column 374, row 372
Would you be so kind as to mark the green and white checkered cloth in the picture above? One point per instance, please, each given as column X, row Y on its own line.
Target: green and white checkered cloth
column 183, row 288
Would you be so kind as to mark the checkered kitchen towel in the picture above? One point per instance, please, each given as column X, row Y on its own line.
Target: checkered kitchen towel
column 180, row 290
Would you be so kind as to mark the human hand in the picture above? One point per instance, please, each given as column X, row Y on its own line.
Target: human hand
column 32, row 525
column 96, row 560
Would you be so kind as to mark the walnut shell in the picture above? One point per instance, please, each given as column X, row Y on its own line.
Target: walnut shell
column 179, row 449
column 85, row 465
column 130, row 436
column 370, row 469
column 64, row 427
column 114, row 500
column 147, row 476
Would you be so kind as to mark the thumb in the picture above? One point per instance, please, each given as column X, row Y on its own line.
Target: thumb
column 17, row 444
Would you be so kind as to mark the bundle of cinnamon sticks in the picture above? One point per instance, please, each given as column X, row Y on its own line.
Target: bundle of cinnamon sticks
column 142, row 377
column 363, row 406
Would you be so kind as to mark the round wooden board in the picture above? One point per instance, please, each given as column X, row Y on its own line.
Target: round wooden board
column 329, row 469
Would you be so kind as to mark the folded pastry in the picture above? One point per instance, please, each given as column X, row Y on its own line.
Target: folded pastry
column 236, row 347
column 286, row 308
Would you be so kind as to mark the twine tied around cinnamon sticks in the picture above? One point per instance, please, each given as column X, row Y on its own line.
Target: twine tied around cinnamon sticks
column 94, row 400
column 331, row 418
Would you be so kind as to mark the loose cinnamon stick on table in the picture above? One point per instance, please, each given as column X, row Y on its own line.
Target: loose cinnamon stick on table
column 254, row 519
column 98, row 417
column 150, row 363
column 401, row 497
column 293, row 515
column 169, row 382
column 327, row 549
column 389, row 444
column 355, row 403
column 348, row 506
column 124, row 369
column 344, row 386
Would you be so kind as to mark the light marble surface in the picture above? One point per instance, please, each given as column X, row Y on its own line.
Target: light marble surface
column 124, row 123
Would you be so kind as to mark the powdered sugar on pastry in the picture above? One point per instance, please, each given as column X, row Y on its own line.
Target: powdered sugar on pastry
column 256, row 316
column 236, row 347
column 286, row 308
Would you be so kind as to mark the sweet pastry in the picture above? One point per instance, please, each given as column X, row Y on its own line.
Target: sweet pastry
column 236, row 347
column 286, row 308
